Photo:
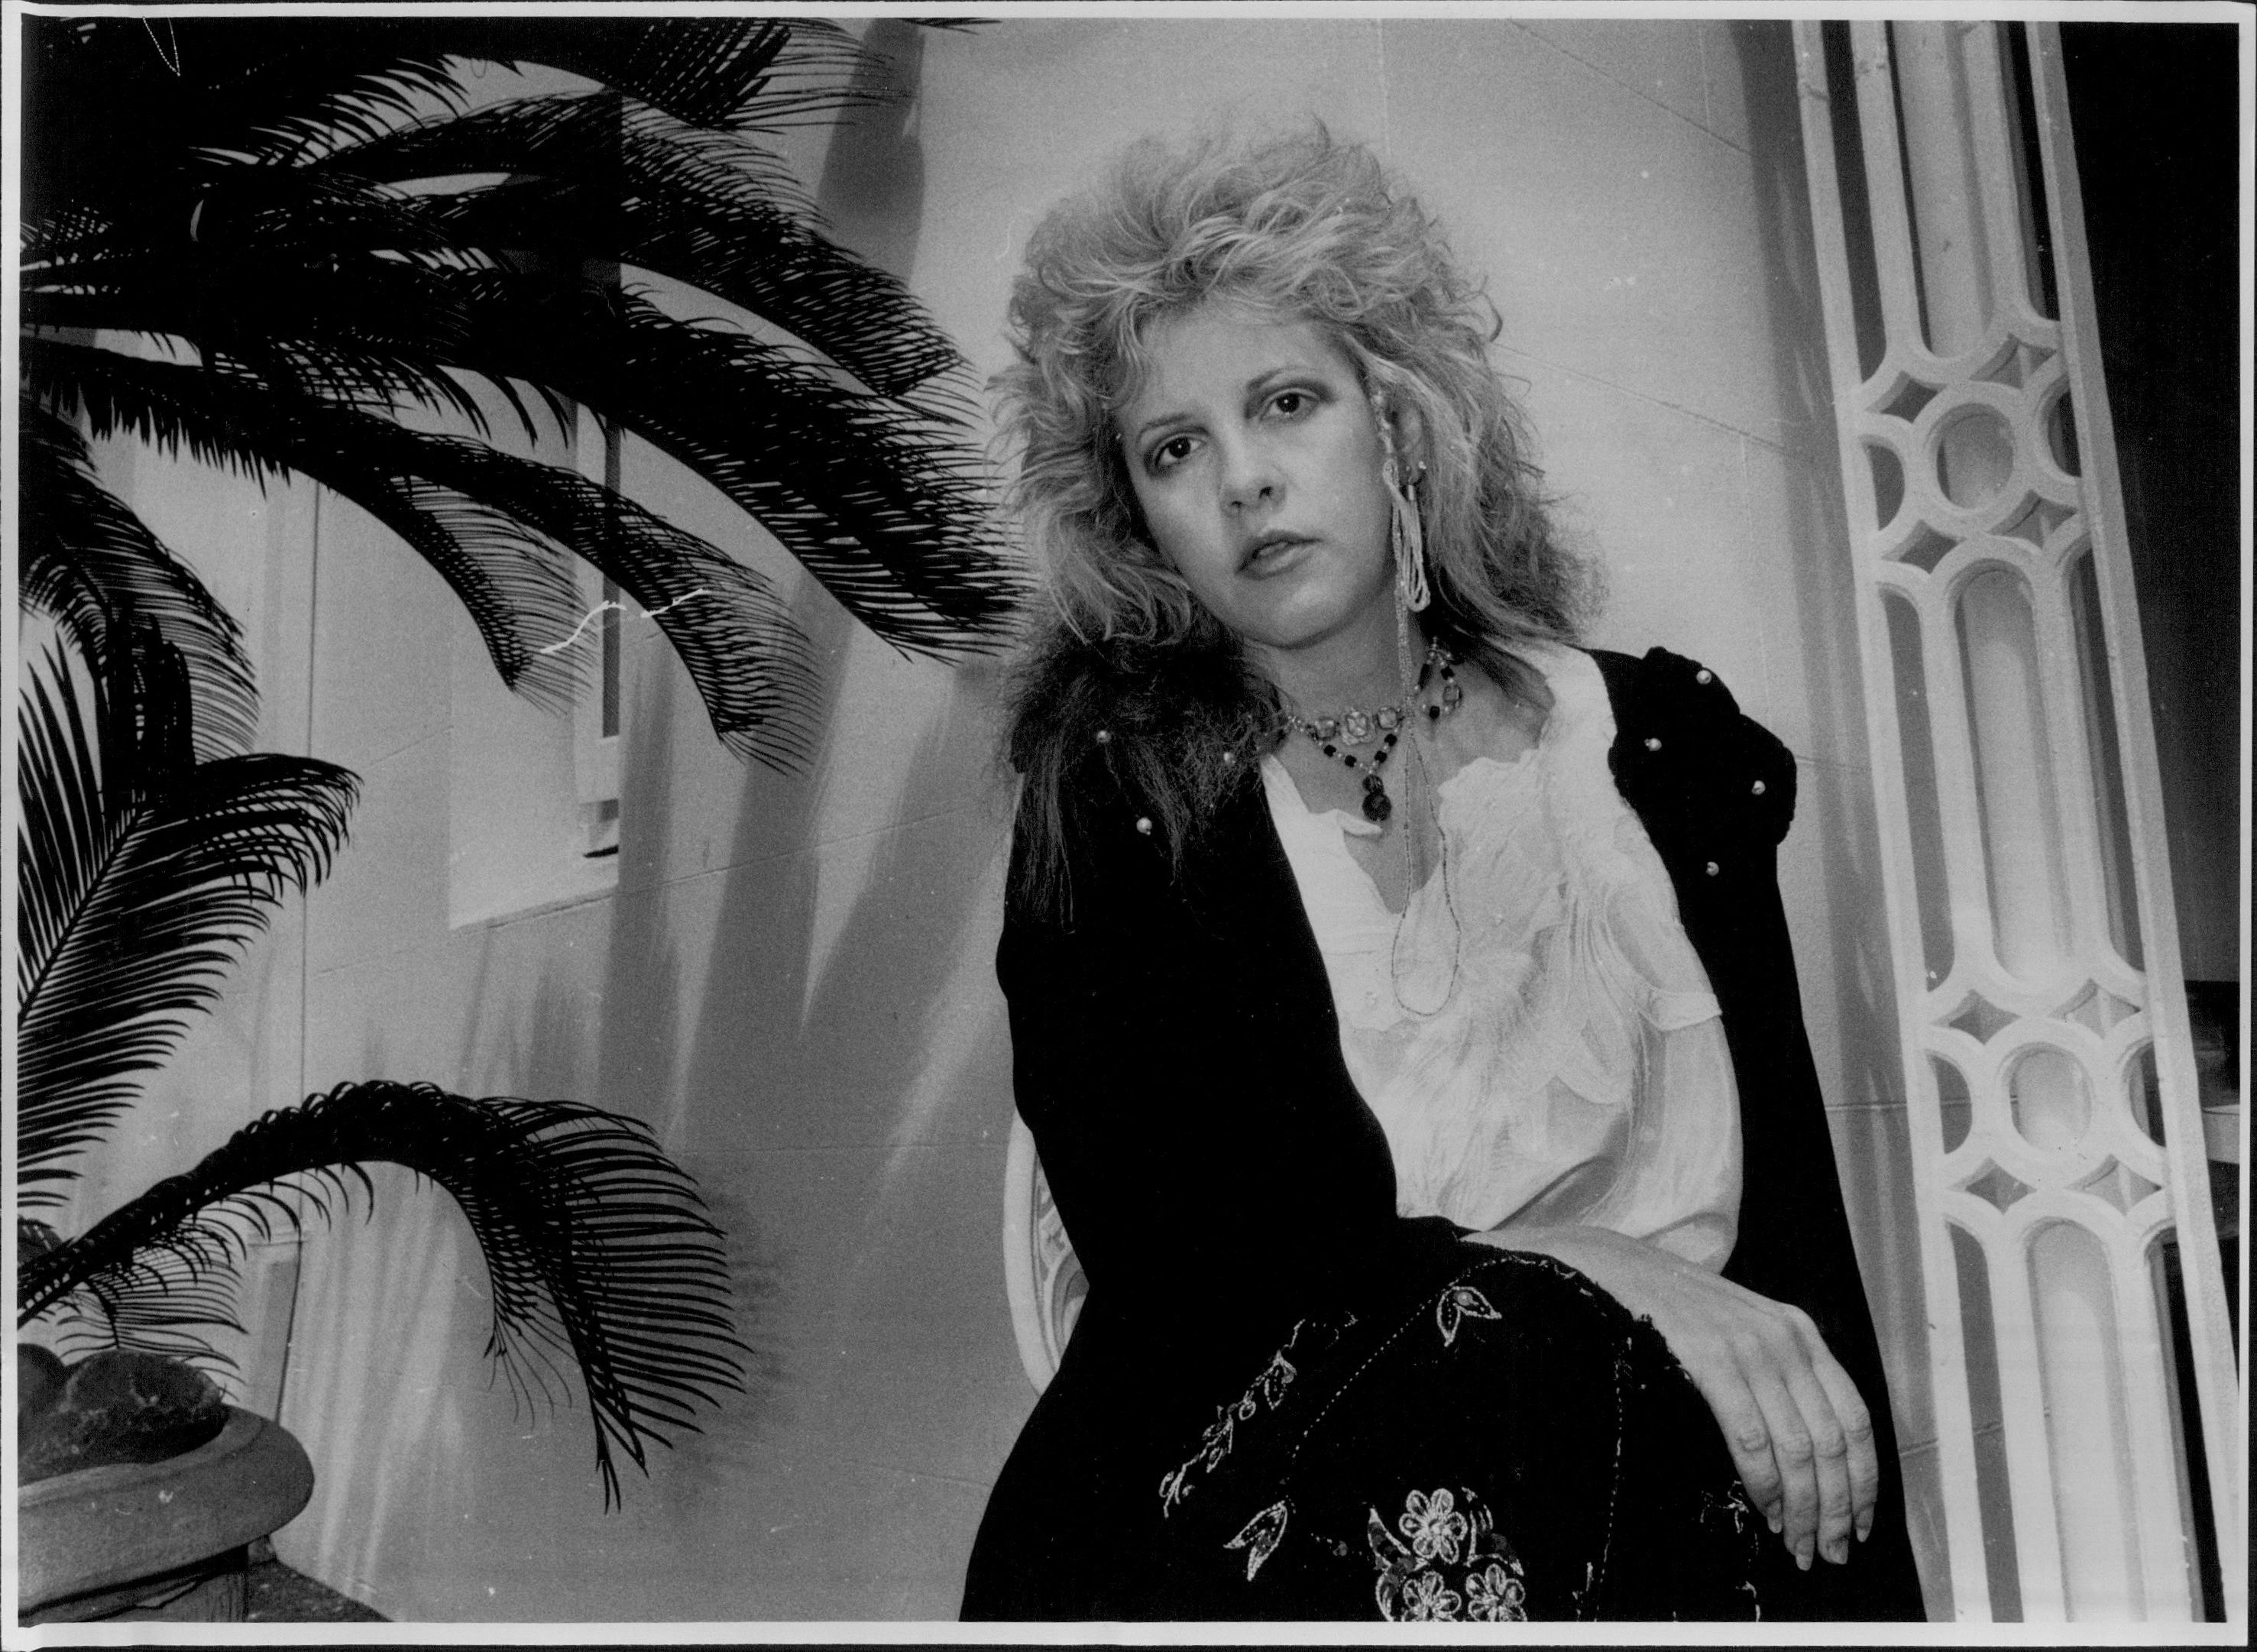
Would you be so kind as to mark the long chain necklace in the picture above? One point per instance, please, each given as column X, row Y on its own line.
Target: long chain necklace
column 1407, row 981
column 1356, row 727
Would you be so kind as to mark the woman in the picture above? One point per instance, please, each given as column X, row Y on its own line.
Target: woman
column 1399, row 995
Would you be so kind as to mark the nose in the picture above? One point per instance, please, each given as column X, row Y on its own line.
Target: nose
column 1250, row 476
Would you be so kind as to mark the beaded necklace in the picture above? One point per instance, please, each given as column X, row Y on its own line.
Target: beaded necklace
column 1355, row 726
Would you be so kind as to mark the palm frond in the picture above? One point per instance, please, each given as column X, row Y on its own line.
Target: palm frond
column 882, row 500
column 492, row 522
column 517, row 589
column 284, row 203
column 117, row 108
column 169, row 1305
column 882, row 497
column 90, row 562
column 592, row 178
column 748, row 658
column 141, row 875
column 877, row 498
column 594, row 1244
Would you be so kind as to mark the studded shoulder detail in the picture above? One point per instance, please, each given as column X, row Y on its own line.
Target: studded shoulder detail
column 1712, row 785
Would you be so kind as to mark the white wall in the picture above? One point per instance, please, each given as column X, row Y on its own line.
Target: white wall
column 793, row 981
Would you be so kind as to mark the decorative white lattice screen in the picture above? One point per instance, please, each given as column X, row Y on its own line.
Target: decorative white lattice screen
column 2057, row 1138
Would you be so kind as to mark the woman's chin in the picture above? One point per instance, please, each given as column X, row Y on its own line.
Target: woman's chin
column 1314, row 614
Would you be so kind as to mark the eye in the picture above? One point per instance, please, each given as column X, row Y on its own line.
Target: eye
column 1291, row 403
column 1168, row 454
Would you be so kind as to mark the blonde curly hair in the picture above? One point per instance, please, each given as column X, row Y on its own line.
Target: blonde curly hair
column 1303, row 226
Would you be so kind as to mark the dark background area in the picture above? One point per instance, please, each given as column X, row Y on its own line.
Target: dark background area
column 2155, row 118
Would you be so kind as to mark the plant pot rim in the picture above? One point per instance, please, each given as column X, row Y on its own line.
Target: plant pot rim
column 97, row 1527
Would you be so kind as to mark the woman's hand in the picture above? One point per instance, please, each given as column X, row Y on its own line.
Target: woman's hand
column 1799, row 1434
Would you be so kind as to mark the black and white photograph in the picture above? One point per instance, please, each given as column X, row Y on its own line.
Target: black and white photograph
column 1174, row 821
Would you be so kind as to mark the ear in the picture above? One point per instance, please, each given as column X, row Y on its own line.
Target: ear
column 1410, row 436
column 1408, row 430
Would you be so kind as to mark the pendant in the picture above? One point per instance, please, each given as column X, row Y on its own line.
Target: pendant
column 1377, row 806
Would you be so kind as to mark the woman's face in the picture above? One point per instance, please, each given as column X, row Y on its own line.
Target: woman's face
column 1255, row 457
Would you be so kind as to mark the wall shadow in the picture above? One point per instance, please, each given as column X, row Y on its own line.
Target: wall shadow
column 873, row 185
column 639, row 1072
column 1824, row 593
column 1877, row 1184
column 783, row 1066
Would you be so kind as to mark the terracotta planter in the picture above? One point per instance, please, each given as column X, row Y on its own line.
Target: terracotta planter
column 136, row 1541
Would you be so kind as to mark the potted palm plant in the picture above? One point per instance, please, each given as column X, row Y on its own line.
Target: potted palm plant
column 262, row 241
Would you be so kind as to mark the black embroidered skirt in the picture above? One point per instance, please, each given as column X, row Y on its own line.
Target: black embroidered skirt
column 1502, row 1442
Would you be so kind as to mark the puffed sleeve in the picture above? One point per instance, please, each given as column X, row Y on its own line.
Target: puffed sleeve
column 1716, row 791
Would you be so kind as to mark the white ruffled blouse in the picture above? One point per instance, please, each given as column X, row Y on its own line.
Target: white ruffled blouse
column 1536, row 1033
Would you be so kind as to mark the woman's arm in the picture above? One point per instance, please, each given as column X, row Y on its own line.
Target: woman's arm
column 1799, row 1433
column 1716, row 792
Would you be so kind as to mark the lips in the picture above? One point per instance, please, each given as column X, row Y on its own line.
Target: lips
column 1270, row 551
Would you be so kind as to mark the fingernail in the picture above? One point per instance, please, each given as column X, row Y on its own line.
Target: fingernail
column 1772, row 1514
column 1865, row 1528
column 1838, row 1551
column 1802, row 1553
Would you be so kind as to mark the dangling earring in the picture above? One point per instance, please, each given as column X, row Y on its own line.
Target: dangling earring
column 1404, row 535
column 1409, row 540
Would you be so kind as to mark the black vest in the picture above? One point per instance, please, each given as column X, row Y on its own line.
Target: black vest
column 1176, row 1057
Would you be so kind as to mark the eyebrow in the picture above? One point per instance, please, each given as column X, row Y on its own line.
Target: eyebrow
column 1256, row 387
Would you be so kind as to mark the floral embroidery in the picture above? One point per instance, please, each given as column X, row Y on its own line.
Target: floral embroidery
column 1496, row 1594
column 1457, row 1304
column 1260, row 1537
column 1215, row 1445
column 1433, row 1525
column 1222, row 1433
column 1275, row 1378
column 1427, row 1598
column 1415, row 1578
column 1734, row 1508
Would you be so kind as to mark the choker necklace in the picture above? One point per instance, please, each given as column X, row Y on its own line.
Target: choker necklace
column 1355, row 726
